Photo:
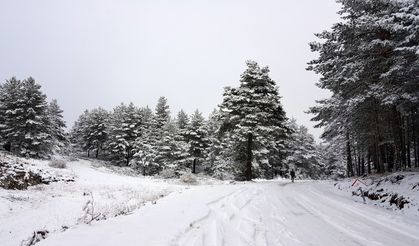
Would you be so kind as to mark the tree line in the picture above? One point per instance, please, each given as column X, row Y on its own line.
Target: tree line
column 370, row 63
column 247, row 136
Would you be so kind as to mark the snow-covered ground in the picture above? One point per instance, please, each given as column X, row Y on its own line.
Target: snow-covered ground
column 59, row 205
column 134, row 210
column 255, row 213
column 397, row 191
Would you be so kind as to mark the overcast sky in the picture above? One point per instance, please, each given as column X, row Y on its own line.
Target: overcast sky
column 90, row 53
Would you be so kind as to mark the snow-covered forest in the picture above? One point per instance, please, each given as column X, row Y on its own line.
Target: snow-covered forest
column 247, row 137
column 249, row 173
column 369, row 61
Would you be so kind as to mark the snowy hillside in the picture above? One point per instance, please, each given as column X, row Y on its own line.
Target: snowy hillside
column 60, row 205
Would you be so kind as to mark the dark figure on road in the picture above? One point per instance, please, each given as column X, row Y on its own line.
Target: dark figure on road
column 292, row 173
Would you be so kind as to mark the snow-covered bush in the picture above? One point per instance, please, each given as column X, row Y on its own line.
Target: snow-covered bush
column 58, row 163
column 188, row 178
column 168, row 173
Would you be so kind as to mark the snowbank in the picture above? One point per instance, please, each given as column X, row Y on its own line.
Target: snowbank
column 397, row 191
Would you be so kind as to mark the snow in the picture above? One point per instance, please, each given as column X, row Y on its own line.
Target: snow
column 254, row 213
column 135, row 210
column 401, row 185
column 59, row 205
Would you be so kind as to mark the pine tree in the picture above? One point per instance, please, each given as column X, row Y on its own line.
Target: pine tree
column 125, row 128
column 369, row 62
column 98, row 130
column 145, row 151
column 162, row 115
column 197, row 138
column 57, row 125
column 303, row 153
column 219, row 160
column 254, row 114
column 26, row 125
column 79, row 135
column 182, row 120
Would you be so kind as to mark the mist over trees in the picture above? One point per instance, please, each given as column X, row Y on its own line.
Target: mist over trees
column 370, row 63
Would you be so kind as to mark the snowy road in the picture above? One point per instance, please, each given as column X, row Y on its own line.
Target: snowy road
column 268, row 213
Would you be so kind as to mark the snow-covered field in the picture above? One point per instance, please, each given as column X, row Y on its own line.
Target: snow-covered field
column 133, row 210
column 59, row 205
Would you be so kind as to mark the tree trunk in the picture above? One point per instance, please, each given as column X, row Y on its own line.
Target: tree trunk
column 248, row 168
column 97, row 152
column 402, row 142
column 409, row 164
column 369, row 163
column 415, row 141
column 194, row 166
column 377, row 139
column 363, row 165
column 350, row 171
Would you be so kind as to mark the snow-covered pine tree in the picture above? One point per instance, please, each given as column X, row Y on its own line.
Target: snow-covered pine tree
column 12, row 106
column 26, row 125
column 171, row 152
column 79, row 134
column 162, row 115
column 125, row 128
column 197, row 136
column 182, row 120
column 254, row 115
column 58, row 134
column 145, row 151
column 98, row 130
column 219, row 160
column 38, row 140
column 303, row 153
column 369, row 61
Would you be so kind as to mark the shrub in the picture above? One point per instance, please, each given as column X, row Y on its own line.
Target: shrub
column 188, row 178
column 58, row 164
column 167, row 174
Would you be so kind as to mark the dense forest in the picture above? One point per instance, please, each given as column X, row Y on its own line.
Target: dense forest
column 370, row 63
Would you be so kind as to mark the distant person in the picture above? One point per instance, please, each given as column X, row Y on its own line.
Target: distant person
column 292, row 173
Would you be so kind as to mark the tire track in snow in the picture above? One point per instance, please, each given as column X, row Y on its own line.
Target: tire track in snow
column 226, row 216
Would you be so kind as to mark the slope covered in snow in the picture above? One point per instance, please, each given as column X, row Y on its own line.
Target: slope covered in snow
column 60, row 205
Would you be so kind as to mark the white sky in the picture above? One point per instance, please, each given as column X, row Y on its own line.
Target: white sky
column 90, row 53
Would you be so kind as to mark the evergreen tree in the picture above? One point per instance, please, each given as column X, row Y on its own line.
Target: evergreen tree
column 369, row 62
column 182, row 120
column 145, row 151
column 254, row 115
column 162, row 115
column 303, row 153
column 125, row 128
column 79, row 135
column 197, row 138
column 12, row 111
column 26, row 125
column 98, row 130
column 57, row 125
